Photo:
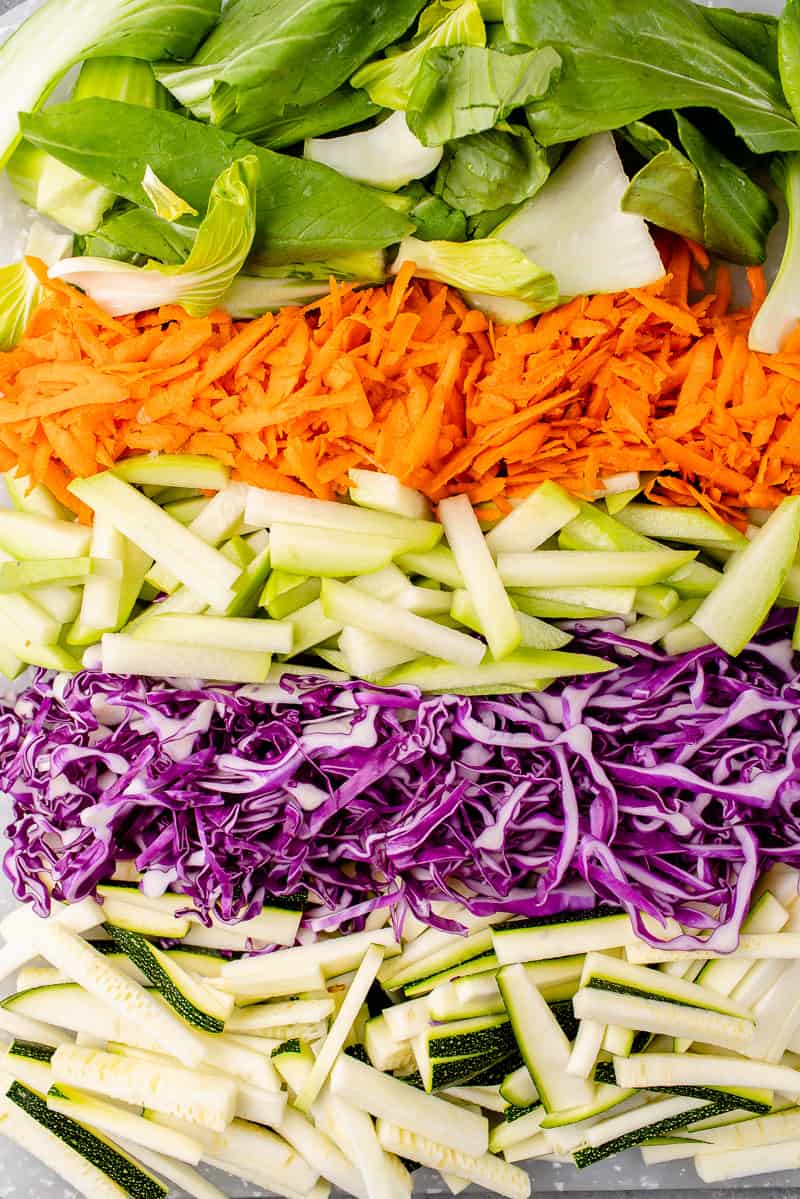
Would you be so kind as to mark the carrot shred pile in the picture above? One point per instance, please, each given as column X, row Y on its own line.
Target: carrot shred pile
column 407, row 379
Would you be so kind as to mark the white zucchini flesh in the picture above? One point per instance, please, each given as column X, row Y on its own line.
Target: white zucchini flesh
column 542, row 1043
column 273, row 926
column 223, row 1055
column 247, row 991
column 538, row 518
column 484, row 1170
column 486, row 590
column 453, row 1184
column 751, row 946
column 568, row 939
column 64, row 1161
column 385, row 493
column 348, row 605
column 68, row 952
column 123, row 653
column 19, row 951
column 489, row 1098
column 321, row 1152
column 333, row 957
column 703, row 1070
column 265, row 508
column 36, row 1075
column 746, row 1163
column 477, row 996
column 129, row 914
column 198, row 1098
column 407, row 1020
column 388, row 1098
column 116, row 1122
column 642, row 1117
column 341, row 1027
column 657, row 1155
column 526, row 1151
column 197, row 565
column 383, row 1051
column 777, row 1017
column 28, row 1029
column 273, row 1015
column 208, row 1139
column 671, row 1019
column 763, row 1130
column 382, row 1179
column 657, row 985
column 566, row 1138
column 515, row 1131
column 273, row 1157
column 586, row 1048
column 618, row 1041
column 258, row 1106
column 183, row 1176
column 759, row 980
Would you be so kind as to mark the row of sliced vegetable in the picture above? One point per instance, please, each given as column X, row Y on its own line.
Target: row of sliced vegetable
column 354, row 1060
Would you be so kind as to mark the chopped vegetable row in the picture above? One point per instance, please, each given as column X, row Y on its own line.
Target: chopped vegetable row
column 350, row 1060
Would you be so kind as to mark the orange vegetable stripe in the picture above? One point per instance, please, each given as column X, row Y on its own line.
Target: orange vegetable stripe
column 406, row 379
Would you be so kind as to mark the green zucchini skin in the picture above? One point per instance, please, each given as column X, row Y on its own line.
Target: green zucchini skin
column 662, row 1128
column 99, row 1152
column 137, row 948
column 32, row 1051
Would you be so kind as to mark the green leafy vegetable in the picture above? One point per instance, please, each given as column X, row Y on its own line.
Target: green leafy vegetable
column 434, row 219
column 140, row 233
column 489, row 268
column 780, row 312
column 754, row 33
column 700, row 194
column 165, row 203
column 20, row 290
column 305, row 211
column 611, row 252
column 624, row 59
column 63, row 32
column 737, row 213
column 387, row 156
column 342, row 109
column 55, row 189
column 292, row 54
column 491, row 170
column 485, row 223
column 465, row 89
column 667, row 190
column 390, row 81
column 222, row 245
column 789, row 54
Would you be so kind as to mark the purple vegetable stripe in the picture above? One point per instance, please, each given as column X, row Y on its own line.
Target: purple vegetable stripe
column 666, row 786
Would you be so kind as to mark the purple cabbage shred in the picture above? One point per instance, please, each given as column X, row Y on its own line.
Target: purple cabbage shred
column 667, row 787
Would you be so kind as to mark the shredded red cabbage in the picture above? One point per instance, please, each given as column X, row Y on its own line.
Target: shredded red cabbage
column 666, row 787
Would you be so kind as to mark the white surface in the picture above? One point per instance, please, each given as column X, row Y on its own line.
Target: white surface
column 22, row 1178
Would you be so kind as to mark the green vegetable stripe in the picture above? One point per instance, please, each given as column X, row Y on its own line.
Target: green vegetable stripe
column 449, row 973
column 359, row 1053
column 443, row 1043
column 603, row 912
column 292, row 1046
column 563, row 1011
column 102, row 1154
column 590, row 1156
column 290, row 903
column 141, row 954
column 617, row 988
column 604, row 1072
column 34, row 1051
column 493, row 1075
column 728, row 1100
column 514, row 1113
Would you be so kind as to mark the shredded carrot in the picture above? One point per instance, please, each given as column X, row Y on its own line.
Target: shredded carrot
column 407, row 379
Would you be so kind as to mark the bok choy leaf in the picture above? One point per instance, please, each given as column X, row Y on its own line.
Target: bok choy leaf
column 700, row 194
column 465, row 89
column 20, row 290
column 624, row 59
column 340, row 110
column 491, row 170
column 487, row 268
column 64, row 32
column 304, row 211
column 390, row 81
column 611, row 252
column 287, row 53
column 780, row 312
column 387, row 156
column 57, row 190
column 222, row 245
